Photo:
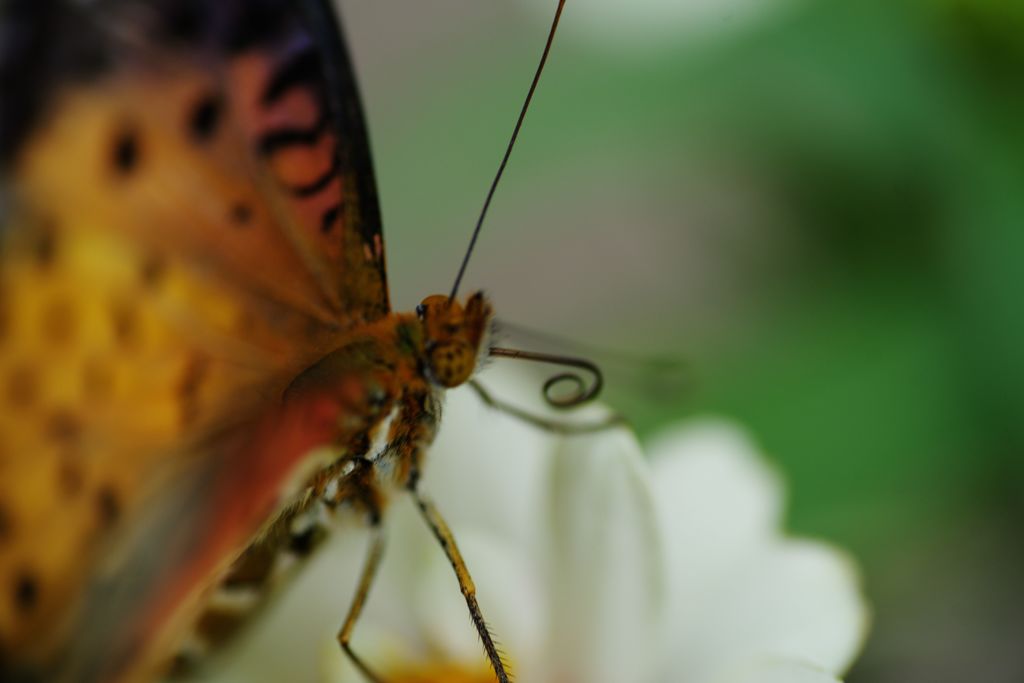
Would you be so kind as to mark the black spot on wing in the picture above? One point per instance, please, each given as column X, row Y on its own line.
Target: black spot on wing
column 124, row 152
column 108, row 506
column 205, row 117
column 241, row 214
column 152, row 271
column 45, row 247
column 63, row 427
column 279, row 138
column 25, row 592
column 329, row 218
column 304, row 69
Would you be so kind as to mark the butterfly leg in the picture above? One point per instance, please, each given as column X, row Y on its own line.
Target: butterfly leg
column 444, row 536
column 370, row 567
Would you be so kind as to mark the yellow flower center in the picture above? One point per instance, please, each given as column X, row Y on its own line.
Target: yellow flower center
column 442, row 673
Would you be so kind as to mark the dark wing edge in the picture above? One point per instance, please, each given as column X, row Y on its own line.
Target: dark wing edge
column 31, row 62
column 325, row 26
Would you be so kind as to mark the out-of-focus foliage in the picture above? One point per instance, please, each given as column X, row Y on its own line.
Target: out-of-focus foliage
column 822, row 212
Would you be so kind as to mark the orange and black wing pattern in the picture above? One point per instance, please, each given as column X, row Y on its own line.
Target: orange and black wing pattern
column 188, row 218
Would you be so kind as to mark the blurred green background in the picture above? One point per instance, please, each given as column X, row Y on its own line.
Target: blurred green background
column 819, row 205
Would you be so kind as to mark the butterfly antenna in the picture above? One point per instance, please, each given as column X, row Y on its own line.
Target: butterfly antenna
column 582, row 391
column 508, row 151
column 667, row 376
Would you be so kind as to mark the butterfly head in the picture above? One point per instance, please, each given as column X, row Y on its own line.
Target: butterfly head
column 453, row 336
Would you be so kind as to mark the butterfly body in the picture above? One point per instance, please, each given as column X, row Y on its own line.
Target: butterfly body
column 192, row 301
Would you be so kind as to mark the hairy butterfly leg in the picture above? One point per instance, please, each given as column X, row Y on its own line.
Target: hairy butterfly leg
column 370, row 568
column 444, row 536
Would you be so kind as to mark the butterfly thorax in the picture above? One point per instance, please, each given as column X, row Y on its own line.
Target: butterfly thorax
column 386, row 383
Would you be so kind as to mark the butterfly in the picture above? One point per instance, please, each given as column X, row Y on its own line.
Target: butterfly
column 198, row 359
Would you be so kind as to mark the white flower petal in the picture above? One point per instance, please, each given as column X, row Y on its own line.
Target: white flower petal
column 711, row 467
column 777, row 671
column 606, row 592
column 717, row 505
column 737, row 588
column 799, row 600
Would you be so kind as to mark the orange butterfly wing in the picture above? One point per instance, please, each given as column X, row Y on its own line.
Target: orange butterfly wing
column 188, row 220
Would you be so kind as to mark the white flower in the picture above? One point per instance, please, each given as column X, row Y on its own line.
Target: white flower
column 592, row 564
